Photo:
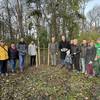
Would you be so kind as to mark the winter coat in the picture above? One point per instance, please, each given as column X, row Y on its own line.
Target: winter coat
column 90, row 54
column 22, row 48
column 97, row 46
column 13, row 53
column 63, row 47
column 32, row 49
column 3, row 52
column 75, row 51
column 53, row 47
column 83, row 51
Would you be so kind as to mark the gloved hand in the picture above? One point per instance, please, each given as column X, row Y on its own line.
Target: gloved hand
column 68, row 52
column 95, row 58
column 90, row 62
column 74, row 53
column 64, row 49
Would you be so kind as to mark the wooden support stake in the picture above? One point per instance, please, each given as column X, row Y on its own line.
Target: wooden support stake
column 48, row 57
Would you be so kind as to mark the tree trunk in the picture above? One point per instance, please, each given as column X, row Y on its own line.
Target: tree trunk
column 20, row 18
column 9, row 19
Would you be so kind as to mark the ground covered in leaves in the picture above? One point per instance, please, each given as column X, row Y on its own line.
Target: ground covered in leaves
column 49, row 83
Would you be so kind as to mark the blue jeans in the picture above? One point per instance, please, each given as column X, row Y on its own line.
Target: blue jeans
column 21, row 62
column 62, row 61
column 13, row 64
column 83, row 65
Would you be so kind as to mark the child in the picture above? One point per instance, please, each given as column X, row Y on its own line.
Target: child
column 90, row 56
column 53, row 49
column 76, row 55
column 68, row 60
column 83, row 55
column 32, row 53
column 97, row 58
column 13, row 56
column 3, row 58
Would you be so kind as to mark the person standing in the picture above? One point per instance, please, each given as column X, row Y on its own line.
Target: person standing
column 71, row 44
column 53, row 49
column 76, row 55
column 90, row 56
column 3, row 58
column 32, row 53
column 68, row 60
column 64, row 46
column 97, row 58
column 13, row 56
column 83, row 55
column 22, row 50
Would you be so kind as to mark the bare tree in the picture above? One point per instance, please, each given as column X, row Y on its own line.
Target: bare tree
column 94, row 17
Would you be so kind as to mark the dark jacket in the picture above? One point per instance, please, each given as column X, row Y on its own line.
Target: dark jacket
column 22, row 48
column 90, row 54
column 13, row 53
column 63, row 47
column 75, row 51
column 76, row 56
column 83, row 51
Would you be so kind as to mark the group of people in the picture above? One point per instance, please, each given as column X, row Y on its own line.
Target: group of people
column 83, row 57
column 10, row 55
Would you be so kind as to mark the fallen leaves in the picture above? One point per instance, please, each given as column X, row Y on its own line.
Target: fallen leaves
column 48, row 83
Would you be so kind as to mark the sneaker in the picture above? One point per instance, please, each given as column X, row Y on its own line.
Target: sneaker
column 21, row 70
column 6, row 74
column 62, row 66
column 78, row 72
column 13, row 71
column 2, row 75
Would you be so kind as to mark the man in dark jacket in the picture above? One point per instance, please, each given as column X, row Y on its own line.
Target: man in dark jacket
column 22, row 49
column 64, row 46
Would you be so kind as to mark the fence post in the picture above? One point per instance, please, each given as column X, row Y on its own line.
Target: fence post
column 38, row 51
column 39, row 55
column 48, row 57
column 36, row 59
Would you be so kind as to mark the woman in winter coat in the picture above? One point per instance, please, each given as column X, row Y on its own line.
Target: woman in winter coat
column 32, row 53
column 22, row 50
column 64, row 46
column 13, row 56
column 3, row 58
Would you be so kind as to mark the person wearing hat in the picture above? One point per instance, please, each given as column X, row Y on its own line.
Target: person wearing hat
column 32, row 53
column 3, row 58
